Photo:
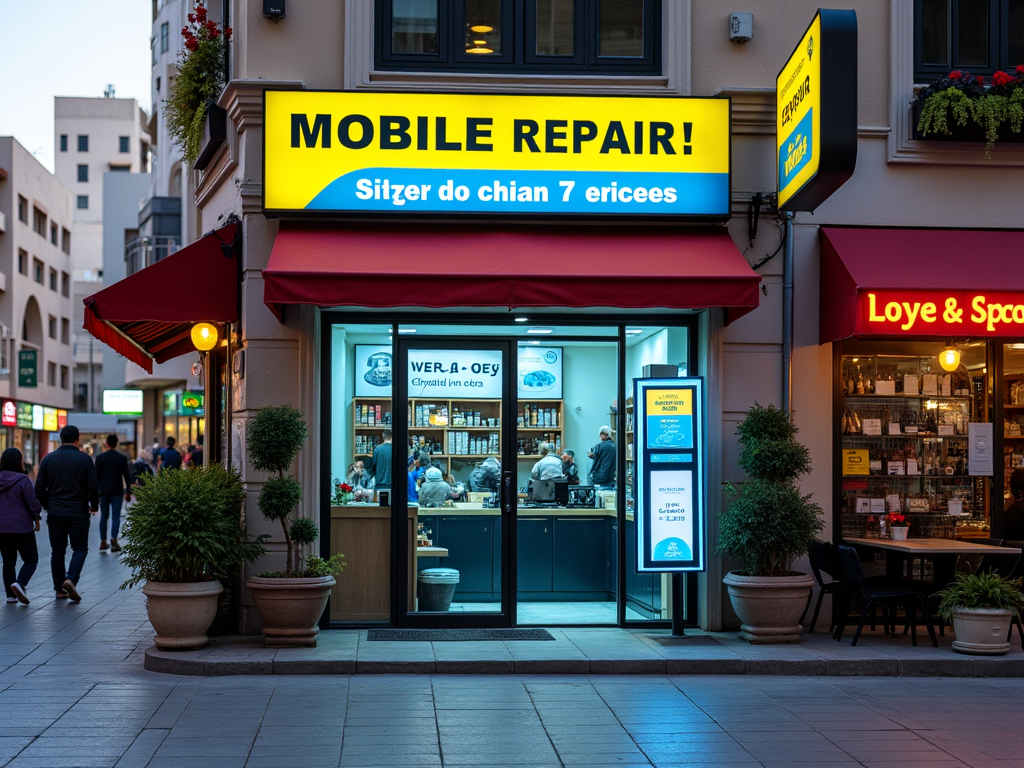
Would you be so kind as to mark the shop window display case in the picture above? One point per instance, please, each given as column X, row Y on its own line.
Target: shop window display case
column 903, row 422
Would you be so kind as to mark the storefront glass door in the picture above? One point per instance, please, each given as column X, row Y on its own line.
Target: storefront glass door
column 453, row 488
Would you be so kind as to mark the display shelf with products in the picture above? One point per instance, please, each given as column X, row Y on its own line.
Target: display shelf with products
column 1013, row 429
column 539, row 421
column 370, row 417
column 904, row 447
column 625, row 445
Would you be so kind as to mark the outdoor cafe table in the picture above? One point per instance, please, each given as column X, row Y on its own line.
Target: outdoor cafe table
column 943, row 552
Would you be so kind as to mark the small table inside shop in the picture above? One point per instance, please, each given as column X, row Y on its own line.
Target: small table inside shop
column 943, row 552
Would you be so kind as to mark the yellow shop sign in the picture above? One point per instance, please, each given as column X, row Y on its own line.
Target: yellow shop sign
column 399, row 154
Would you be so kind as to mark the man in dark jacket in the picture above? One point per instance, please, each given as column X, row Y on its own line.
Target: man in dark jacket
column 114, row 478
column 169, row 456
column 66, row 488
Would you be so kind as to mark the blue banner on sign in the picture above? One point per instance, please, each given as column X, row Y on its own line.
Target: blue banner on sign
column 669, row 431
column 670, row 458
column 586, row 192
column 796, row 150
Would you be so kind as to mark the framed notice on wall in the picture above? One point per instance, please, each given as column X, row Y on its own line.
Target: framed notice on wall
column 669, row 444
column 373, row 370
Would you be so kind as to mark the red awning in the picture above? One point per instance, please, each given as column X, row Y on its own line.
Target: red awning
column 470, row 266
column 149, row 315
column 921, row 282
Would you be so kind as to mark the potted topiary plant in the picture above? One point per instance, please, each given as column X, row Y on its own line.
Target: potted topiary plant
column 290, row 602
column 767, row 526
column 183, row 534
column 981, row 607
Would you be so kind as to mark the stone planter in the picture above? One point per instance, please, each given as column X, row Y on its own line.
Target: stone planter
column 290, row 609
column 769, row 607
column 981, row 631
column 899, row 533
column 181, row 613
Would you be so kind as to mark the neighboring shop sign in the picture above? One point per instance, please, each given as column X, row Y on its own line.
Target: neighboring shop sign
column 447, row 373
column 37, row 417
column 539, row 372
column 62, row 418
column 344, row 152
column 9, row 414
column 940, row 313
column 27, row 368
column 816, row 112
column 670, row 520
column 50, row 419
column 24, row 416
column 373, row 370
column 122, row 402
column 191, row 404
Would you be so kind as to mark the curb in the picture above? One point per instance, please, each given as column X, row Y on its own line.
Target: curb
column 187, row 663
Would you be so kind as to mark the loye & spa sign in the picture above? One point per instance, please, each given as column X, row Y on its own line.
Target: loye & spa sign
column 940, row 313
column 342, row 152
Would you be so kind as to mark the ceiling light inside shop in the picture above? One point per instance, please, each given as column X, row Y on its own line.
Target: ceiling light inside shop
column 479, row 42
column 634, row 331
column 1012, row 346
column 949, row 358
column 522, row 319
column 481, row 29
column 540, row 330
column 479, row 50
column 533, row 342
column 407, row 330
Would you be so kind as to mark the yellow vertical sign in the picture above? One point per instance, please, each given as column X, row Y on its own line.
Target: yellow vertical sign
column 798, row 114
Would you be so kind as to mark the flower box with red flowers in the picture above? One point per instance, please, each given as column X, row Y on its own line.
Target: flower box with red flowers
column 966, row 107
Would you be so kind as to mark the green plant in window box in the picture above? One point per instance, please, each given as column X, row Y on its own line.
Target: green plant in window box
column 961, row 100
column 199, row 81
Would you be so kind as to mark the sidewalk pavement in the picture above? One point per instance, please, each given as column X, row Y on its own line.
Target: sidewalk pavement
column 109, row 629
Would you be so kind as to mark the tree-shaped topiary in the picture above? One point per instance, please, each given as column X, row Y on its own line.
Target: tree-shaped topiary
column 273, row 439
column 769, row 523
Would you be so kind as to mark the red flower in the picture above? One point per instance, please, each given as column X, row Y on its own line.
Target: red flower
column 345, row 488
column 1001, row 78
column 956, row 74
column 191, row 18
column 227, row 34
column 192, row 44
column 979, row 80
column 1020, row 69
column 200, row 12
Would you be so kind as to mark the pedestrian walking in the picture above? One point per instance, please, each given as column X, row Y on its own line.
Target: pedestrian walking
column 142, row 467
column 19, row 520
column 66, row 487
column 169, row 457
column 114, row 481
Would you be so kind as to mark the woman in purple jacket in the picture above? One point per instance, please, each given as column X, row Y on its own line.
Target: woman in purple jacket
column 19, row 520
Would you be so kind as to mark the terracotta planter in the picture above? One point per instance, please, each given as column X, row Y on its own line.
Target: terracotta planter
column 181, row 613
column 290, row 609
column 899, row 533
column 769, row 607
column 981, row 631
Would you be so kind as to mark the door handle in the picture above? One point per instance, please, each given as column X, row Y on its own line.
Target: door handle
column 508, row 496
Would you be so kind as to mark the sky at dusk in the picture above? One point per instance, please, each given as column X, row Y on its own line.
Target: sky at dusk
column 68, row 48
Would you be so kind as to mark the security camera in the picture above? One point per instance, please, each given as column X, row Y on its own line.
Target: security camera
column 274, row 9
column 741, row 27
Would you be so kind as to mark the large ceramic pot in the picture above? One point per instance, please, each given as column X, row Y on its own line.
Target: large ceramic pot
column 899, row 532
column 290, row 609
column 981, row 631
column 181, row 613
column 769, row 607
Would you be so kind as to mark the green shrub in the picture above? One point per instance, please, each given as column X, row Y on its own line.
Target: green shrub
column 769, row 523
column 186, row 527
column 981, row 590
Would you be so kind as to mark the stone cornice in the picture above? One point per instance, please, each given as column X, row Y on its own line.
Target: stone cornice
column 243, row 99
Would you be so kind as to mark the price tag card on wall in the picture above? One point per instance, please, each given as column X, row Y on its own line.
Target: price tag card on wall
column 894, row 428
column 929, row 384
column 863, row 506
column 878, row 506
column 912, row 468
column 945, row 387
column 892, row 502
column 872, row 426
column 885, row 387
column 910, row 385
column 945, row 429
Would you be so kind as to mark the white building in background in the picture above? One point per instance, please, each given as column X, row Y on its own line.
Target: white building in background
column 36, row 256
column 94, row 136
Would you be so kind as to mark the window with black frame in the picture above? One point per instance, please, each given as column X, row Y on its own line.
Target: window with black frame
column 542, row 36
column 980, row 36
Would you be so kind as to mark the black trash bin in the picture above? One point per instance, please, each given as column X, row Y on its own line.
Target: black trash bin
column 436, row 588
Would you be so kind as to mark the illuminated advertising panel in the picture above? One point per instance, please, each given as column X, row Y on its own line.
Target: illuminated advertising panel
column 9, row 414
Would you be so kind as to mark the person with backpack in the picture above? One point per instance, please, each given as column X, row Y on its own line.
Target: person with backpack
column 19, row 521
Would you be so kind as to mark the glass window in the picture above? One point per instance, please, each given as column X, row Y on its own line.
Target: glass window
column 65, row 284
column 83, row 202
column 123, row 144
column 972, row 28
column 414, row 26
column 51, row 374
column 83, row 173
column 555, row 27
column 65, row 238
column 37, row 271
column 65, row 331
column 483, row 27
column 22, row 261
column 63, row 377
column 1015, row 11
column 165, row 37
column 63, row 142
column 980, row 36
column 53, row 279
column 622, row 28
column 935, row 32
column 53, row 233
column 22, row 210
column 39, row 221
column 83, row 143
column 51, row 327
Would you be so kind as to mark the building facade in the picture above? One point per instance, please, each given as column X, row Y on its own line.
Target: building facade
column 306, row 349
column 36, row 254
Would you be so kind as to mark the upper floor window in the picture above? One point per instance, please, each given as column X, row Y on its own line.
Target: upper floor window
column 53, row 279
column 53, row 233
column 165, row 37
column 23, row 261
column 124, row 144
column 51, row 327
column 83, row 202
column 22, row 210
column 980, row 36
column 83, row 173
column 65, row 241
column 37, row 270
column 541, row 36
column 65, row 284
column 83, row 143
column 63, row 142
column 39, row 222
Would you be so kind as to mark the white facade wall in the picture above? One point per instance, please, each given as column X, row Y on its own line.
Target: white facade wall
column 898, row 182
column 21, row 296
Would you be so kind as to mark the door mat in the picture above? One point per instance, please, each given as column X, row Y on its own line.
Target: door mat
column 456, row 635
column 689, row 640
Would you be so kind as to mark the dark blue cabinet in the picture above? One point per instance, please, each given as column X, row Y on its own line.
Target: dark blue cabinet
column 534, row 560
column 581, row 559
column 468, row 541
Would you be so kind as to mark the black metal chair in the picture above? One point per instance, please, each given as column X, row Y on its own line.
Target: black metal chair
column 823, row 563
column 1009, row 566
column 857, row 587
